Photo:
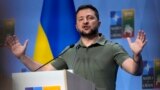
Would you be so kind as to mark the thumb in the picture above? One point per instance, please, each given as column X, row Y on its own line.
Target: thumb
column 25, row 43
column 129, row 40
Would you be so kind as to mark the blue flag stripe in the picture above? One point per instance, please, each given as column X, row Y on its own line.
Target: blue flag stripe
column 58, row 23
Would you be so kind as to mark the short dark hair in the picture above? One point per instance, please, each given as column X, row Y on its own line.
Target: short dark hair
column 90, row 7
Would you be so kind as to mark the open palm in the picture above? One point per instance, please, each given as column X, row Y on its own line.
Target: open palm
column 15, row 46
column 139, row 43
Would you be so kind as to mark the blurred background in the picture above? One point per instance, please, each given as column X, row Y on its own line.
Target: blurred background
column 27, row 14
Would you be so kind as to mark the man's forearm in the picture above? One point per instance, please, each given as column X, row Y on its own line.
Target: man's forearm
column 138, row 60
column 33, row 66
column 29, row 63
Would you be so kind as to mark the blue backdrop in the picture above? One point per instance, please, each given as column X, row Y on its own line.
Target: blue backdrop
column 27, row 15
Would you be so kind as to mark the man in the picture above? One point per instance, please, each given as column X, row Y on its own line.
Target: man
column 92, row 57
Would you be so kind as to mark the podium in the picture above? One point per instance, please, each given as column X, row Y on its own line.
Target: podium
column 50, row 80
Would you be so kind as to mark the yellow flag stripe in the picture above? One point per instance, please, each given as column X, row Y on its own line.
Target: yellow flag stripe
column 42, row 51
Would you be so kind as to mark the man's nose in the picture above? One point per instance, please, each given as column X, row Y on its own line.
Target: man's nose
column 85, row 21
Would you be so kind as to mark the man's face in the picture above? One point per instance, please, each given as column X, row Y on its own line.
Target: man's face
column 86, row 22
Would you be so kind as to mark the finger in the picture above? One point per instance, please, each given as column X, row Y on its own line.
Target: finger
column 25, row 43
column 144, row 37
column 15, row 39
column 144, row 43
column 129, row 40
column 141, row 37
column 138, row 36
column 6, row 40
column 10, row 41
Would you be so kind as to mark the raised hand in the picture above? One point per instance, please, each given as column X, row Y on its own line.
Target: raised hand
column 15, row 46
column 139, row 43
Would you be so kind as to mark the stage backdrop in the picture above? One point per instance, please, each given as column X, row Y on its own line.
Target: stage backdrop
column 27, row 16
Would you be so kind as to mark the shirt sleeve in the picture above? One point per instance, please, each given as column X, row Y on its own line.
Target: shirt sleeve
column 119, row 54
column 59, row 64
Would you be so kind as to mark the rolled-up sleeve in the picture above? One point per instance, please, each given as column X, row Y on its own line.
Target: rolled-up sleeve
column 120, row 55
column 59, row 64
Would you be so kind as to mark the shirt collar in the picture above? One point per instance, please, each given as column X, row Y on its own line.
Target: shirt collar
column 100, row 41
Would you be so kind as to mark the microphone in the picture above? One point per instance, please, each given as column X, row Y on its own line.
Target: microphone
column 66, row 49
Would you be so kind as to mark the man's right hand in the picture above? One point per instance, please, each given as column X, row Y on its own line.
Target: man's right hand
column 18, row 50
column 15, row 46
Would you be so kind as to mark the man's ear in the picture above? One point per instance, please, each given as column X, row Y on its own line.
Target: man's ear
column 99, row 23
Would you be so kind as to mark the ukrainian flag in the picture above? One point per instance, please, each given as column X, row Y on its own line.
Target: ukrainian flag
column 56, row 30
